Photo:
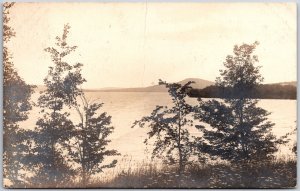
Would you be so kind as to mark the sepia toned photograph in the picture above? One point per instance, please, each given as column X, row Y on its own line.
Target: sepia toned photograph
column 149, row 95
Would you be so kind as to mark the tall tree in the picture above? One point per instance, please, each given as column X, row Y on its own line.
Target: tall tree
column 169, row 127
column 16, row 104
column 54, row 128
column 90, row 138
column 239, row 129
column 56, row 135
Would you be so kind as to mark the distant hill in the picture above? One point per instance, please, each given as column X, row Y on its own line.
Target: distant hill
column 100, row 89
column 40, row 88
column 199, row 84
column 206, row 88
column 292, row 83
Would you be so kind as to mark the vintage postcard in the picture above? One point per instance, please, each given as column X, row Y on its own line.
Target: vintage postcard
column 149, row 95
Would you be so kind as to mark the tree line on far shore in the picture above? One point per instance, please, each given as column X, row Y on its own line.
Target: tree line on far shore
column 262, row 91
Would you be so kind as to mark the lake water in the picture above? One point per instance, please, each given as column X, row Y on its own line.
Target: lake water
column 126, row 107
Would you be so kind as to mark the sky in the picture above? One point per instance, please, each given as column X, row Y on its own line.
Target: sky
column 135, row 44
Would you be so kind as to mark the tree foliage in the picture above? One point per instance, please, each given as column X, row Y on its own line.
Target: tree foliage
column 16, row 104
column 59, row 142
column 239, row 130
column 54, row 128
column 90, row 138
column 63, row 80
column 169, row 127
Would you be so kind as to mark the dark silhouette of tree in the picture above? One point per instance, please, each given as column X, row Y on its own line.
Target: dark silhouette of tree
column 262, row 91
column 90, row 138
column 16, row 104
column 54, row 128
column 168, row 126
column 239, row 130
column 59, row 142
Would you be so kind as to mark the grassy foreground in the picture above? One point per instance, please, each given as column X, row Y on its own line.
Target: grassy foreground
column 274, row 174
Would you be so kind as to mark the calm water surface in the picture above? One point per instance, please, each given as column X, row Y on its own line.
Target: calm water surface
column 126, row 107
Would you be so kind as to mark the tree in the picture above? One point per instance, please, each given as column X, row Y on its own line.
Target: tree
column 59, row 142
column 239, row 130
column 90, row 138
column 169, row 127
column 16, row 104
column 54, row 128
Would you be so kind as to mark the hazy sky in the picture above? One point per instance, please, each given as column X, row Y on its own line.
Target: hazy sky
column 135, row 44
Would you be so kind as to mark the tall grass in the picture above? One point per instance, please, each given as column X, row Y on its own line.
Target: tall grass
column 279, row 173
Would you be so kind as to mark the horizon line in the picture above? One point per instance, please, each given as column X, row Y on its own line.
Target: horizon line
column 126, row 87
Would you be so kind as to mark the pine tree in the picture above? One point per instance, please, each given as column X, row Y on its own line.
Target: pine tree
column 169, row 127
column 239, row 129
column 16, row 104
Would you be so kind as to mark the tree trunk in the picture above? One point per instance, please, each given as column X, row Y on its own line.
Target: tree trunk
column 83, row 178
column 83, row 164
column 179, row 146
column 53, row 148
column 241, row 107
